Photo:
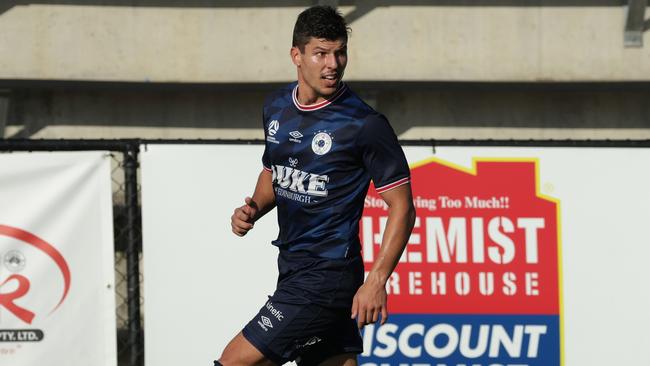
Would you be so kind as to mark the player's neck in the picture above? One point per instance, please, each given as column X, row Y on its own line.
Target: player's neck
column 307, row 95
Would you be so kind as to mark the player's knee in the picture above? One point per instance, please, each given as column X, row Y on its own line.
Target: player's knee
column 346, row 359
column 226, row 359
column 230, row 357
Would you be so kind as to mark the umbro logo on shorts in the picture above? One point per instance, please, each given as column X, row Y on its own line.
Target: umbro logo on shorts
column 265, row 323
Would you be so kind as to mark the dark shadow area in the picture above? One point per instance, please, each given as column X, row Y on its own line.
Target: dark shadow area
column 567, row 108
column 26, row 84
column 36, row 109
column 646, row 25
column 406, row 104
column 72, row 85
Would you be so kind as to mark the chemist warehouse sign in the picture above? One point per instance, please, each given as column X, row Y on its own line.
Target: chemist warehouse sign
column 478, row 284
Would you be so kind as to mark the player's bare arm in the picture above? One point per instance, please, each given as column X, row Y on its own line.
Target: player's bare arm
column 370, row 299
column 263, row 201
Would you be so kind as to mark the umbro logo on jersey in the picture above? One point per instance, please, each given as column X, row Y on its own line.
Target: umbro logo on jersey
column 295, row 136
column 293, row 162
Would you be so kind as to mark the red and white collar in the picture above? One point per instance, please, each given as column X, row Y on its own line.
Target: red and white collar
column 323, row 104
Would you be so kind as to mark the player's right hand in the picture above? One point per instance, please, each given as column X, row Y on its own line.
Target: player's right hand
column 243, row 218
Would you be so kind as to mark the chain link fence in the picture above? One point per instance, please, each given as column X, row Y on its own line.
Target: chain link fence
column 127, row 234
column 130, row 348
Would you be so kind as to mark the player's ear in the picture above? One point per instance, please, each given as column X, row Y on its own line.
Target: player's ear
column 295, row 55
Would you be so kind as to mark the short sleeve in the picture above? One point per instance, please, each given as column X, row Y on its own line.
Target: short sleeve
column 266, row 160
column 382, row 156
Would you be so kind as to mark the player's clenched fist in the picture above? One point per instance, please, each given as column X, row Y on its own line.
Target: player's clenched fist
column 243, row 218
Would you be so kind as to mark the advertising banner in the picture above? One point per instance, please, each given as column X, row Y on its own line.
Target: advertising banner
column 57, row 299
column 479, row 281
column 201, row 282
column 519, row 256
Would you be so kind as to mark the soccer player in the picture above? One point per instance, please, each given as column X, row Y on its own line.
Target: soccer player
column 323, row 146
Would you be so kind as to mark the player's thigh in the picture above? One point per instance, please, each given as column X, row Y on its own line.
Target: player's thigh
column 338, row 346
column 345, row 359
column 240, row 352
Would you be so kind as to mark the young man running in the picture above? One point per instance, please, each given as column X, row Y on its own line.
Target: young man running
column 323, row 146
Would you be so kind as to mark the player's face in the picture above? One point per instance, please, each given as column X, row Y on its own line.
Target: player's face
column 320, row 67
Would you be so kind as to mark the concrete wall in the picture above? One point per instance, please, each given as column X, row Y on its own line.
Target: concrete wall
column 416, row 112
column 248, row 41
column 438, row 69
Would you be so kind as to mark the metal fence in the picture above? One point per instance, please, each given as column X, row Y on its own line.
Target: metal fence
column 128, row 258
column 127, row 214
column 127, row 235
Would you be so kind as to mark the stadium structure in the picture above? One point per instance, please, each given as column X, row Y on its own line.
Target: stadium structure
column 116, row 71
column 531, row 69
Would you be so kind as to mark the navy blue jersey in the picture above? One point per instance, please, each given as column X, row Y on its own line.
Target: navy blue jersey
column 322, row 158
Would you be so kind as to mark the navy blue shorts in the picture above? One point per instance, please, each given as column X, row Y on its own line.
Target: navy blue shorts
column 307, row 319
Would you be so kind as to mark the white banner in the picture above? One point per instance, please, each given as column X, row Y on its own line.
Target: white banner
column 197, row 274
column 203, row 284
column 57, row 299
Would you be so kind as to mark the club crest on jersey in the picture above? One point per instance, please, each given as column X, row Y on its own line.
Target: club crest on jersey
column 322, row 143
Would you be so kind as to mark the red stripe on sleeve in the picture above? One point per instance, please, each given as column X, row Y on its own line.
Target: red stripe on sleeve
column 395, row 184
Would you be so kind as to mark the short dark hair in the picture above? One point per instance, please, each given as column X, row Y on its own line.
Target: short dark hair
column 319, row 22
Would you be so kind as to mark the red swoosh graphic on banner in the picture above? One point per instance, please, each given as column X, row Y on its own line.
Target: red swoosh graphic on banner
column 7, row 300
column 45, row 247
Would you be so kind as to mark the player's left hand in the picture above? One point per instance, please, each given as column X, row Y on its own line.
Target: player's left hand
column 369, row 302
